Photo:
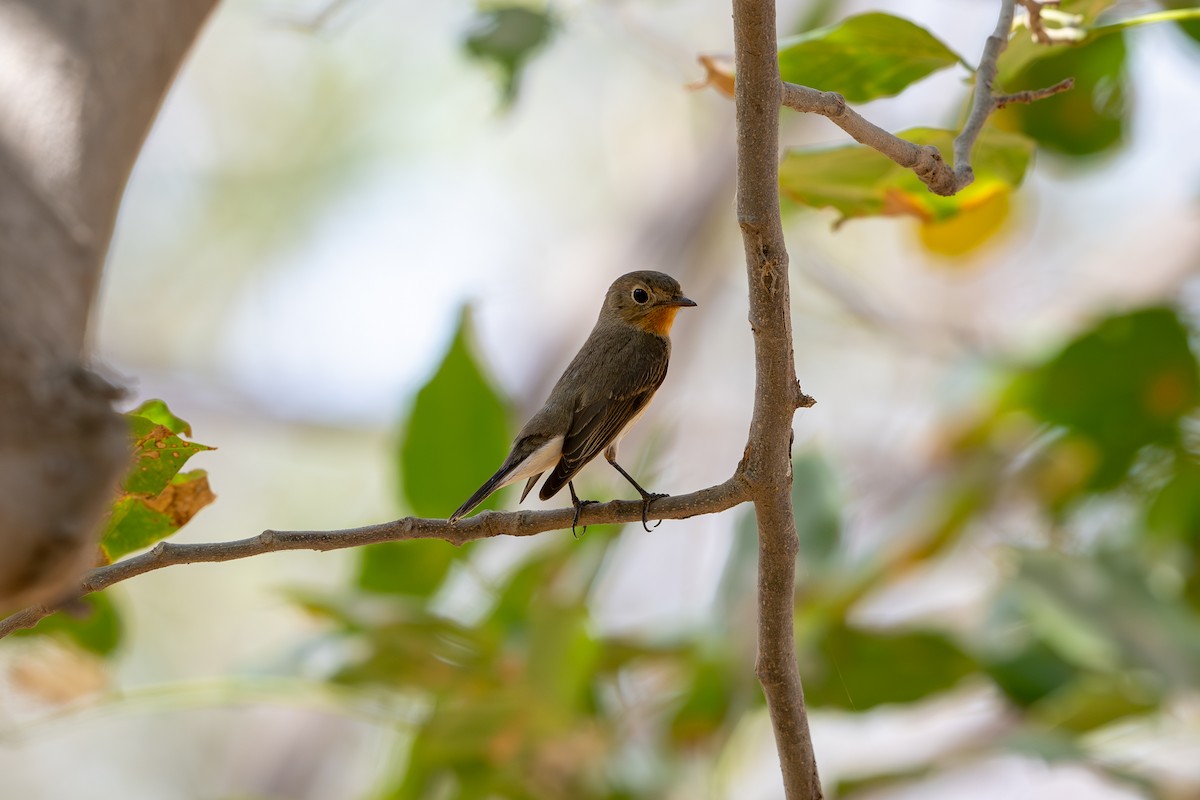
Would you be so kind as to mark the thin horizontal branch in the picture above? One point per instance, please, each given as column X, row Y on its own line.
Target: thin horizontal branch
column 712, row 500
column 1033, row 95
column 924, row 160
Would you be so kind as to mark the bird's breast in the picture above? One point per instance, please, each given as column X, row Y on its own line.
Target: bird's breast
column 660, row 320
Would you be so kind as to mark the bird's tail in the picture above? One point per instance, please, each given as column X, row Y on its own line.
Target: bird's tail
column 492, row 484
column 529, row 454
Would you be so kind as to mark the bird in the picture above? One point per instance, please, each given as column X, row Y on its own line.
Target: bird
column 601, row 394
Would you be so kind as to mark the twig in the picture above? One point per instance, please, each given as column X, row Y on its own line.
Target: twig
column 1033, row 95
column 926, row 161
column 983, row 103
column 1033, row 9
column 1037, row 12
column 485, row 525
column 777, row 394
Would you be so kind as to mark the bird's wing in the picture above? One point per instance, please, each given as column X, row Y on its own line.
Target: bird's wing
column 598, row 422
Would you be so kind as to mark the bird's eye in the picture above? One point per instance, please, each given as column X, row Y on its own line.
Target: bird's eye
column 640, row 296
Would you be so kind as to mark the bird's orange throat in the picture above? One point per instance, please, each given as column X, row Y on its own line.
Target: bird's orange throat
column 660, row 320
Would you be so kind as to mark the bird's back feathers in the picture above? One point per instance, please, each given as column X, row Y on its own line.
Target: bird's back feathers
column 637, row 370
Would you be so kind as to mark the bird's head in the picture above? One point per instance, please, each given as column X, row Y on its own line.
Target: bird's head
column 648, row 300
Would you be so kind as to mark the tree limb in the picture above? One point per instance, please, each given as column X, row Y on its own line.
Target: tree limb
column 714, row 499
column 926, row 161
column 777, row 394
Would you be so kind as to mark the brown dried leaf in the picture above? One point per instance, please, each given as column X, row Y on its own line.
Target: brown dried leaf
column 718, row 73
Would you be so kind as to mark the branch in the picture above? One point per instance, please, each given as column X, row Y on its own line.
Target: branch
column 714, row 499
column 984, row 102
column 777, row 394
column 1033, row 95
column 926, row 161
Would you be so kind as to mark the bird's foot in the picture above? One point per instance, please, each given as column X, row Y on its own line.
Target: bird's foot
column 647, row 499
column 578, row 505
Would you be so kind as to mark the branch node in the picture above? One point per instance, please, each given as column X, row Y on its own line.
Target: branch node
column 835, row 104
column 750, row 225
column 267, row 538
column 159, row 551
column 803, row 400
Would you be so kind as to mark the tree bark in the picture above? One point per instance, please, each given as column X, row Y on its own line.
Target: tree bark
column 80, row 84
column 768, row 460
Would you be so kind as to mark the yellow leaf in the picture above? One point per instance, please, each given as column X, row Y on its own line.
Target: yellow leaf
column 978, row 219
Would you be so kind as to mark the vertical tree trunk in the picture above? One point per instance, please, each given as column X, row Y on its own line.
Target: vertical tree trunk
column 768, row 459
column 80, row 84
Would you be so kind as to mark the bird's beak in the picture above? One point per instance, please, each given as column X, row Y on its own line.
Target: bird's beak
column 680, row 302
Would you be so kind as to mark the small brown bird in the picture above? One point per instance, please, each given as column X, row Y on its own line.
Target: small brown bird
column 603, row 391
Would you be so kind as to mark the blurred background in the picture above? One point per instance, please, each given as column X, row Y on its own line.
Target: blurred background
column 357, row 223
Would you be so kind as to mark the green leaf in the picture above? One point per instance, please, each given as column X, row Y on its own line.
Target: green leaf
column 507, row 36
column 1174, row 511
column 705, row 704
column 159, row 454
column 456, row 435
column 864, row 57
column 858, row 181
column 1085, row 121
column 95, row 625
column 1093, row 701
column 137, row 522
column 1029, row 673
column 562, row 656
column 156, row 499
column 156, row 411
column 857, row 669
column 1121, row 386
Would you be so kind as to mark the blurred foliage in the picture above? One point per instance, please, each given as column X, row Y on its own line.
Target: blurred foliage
column 507, row 35
column 93, row 624
column 858, row 669
column 878, row 55
column 524, row 697
column 863, row 57
column 1189, row 25
column 1119, row 388
column 454, row 438
column 1093, row 622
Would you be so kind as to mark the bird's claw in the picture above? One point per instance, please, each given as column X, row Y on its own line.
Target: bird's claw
column 578, row 505
column 647, row 499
